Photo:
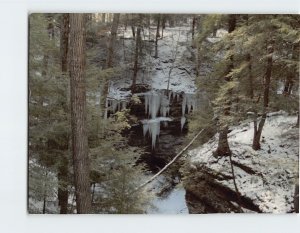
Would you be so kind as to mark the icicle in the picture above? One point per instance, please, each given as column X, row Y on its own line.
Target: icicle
column 154, row 105
column 145, row 128
column 188, row 102
column 183, row 104
column 164, row 108
column 182, row 122
column 177, row 96
column 154, row 130
column 153, row 127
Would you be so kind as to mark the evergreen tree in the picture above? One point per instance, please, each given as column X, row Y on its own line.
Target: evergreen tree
column 78, row 114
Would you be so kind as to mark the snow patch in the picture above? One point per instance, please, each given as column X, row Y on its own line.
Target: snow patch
column 274, row 168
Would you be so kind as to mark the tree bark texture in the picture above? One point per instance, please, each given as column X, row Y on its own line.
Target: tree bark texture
column 109, row 60
column 157, row 36
column 64, row 39
column 78, row 114
column 63, row 166
column 136, row 57
column 63, row 185
column 223, row 148
column 193, row 27
column 267, row 82
column 250, row 77
column 112, row 39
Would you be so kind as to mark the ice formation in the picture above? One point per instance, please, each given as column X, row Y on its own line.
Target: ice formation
column 116, row 105
column 182, row 122
column 155, row 102
column 152, row 127
column 189, row 102
column 158, row 102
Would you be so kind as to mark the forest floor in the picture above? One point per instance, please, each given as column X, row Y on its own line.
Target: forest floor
column 266, row 177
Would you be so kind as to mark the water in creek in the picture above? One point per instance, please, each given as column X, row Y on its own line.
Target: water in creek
column 173, row 203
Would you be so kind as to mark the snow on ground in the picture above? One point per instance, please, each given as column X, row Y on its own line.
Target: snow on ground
column 267, row 176
column 174, row 53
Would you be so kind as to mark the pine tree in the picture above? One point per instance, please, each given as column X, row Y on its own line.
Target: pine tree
column 78, row 114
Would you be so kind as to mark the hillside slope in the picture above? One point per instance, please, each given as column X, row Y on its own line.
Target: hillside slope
column 266, row 179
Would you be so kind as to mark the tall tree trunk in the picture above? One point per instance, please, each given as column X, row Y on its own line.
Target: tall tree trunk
column 64, row 41
column 293, row 74
column 193, row 27
column 163, row 25
column 109, row 60
column 44, row 204
column 64, row 164
column 223, row 146
column 78, row 114
column 157, row 36
column 111, row 43
column 133, row 31
column 296, row 198
column 250, row 77
column 63, row 185
column 136, row 58
column 267, row 82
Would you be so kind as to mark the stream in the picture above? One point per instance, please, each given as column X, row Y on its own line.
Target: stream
column 162, row 113
column 161, row 136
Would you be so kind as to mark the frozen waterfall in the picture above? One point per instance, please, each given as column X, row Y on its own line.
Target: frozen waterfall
column 152, row 127
column 155, row 102
column 189, row 102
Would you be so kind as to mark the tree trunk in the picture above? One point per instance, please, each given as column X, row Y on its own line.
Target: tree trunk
column 193, row 27
column 109, row 61
column 64, row 164
column 133, row 31
column 157, row 29
column 63, row 186
column 296, row 198
column 163, row 26
column 267, row 82
column 78, row 114
column 111, row 43
column 44, row 204
column 223, row 146
column 250, row 77
column 258, row 131
column 293, row 74
column 64, row 40
column 136, row 58
column 157, row 36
